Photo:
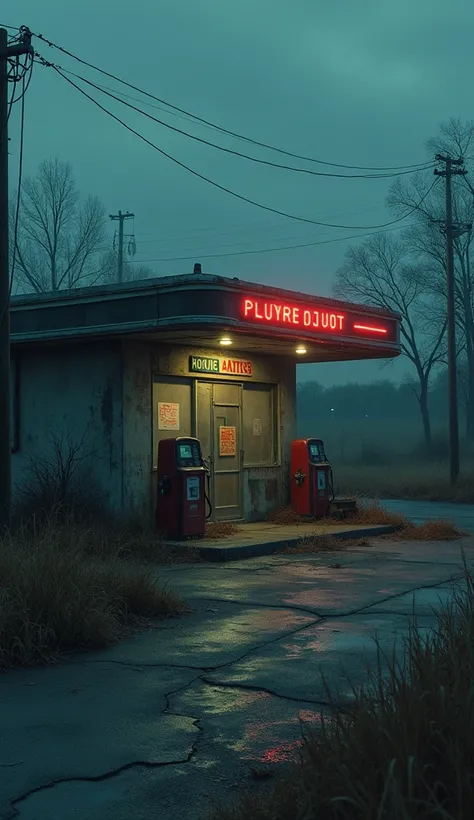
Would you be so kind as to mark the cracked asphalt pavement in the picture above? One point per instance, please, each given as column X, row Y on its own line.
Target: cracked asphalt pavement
column 192, row 709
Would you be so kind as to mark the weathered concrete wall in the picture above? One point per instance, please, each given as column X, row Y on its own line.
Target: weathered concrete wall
column 73, row 391
column 137, row 431
column 105, row 392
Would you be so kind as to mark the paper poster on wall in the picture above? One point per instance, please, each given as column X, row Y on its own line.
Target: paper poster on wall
column 257, row 427
column 227, row 441
column 168, row 415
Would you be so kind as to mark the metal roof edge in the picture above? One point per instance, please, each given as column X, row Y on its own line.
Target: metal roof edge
column 180, row 282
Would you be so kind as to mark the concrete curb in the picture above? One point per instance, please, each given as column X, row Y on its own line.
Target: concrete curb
column 256, row 550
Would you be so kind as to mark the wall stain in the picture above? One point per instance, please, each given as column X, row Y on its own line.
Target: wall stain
column 271, row 490
column 107, row 408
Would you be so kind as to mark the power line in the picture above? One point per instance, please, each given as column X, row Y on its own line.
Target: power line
column 230, row 150
column 221, row 232
column 27, row 70
column 228, row 190
column 225, row 130
column 269, row 250
column 225, row 229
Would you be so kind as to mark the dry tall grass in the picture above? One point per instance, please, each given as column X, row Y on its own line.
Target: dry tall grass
column 403, row 752
column 373, row 514
column 63, row 589
column 220, row 529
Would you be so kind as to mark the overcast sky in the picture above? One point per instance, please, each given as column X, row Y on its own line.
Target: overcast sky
column 358, row 82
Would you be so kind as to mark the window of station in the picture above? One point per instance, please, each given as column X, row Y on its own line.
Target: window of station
column 259, row 420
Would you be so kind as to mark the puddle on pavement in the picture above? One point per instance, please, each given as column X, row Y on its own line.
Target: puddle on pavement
column 254, row 725
column 279, row 752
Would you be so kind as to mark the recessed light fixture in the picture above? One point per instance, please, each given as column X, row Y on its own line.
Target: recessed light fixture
column 225, row 342
column 301, row 350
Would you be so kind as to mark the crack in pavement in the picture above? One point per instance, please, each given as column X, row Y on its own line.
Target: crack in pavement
column 308, row 611
column 99, row 778
column 285, row 560
column 251, row 688
column 139, row 665
column 281, row 636
column 209, row 682
column 126, row 766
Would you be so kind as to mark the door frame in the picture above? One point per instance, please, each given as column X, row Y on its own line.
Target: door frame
column 239, row 406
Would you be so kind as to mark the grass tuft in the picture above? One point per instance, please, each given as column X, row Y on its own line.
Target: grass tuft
column 287, row 515
column 322, row 543
column 373, row 514
column 404, row 748
column 220, row 529
column 61, row 590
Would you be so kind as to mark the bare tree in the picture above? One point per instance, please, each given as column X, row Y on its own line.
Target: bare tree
column 107, row 272
column 427, row 243
column 378, row 272
column 58, row 237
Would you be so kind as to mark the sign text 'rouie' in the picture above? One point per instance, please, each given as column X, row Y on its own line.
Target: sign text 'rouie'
column 221, row 366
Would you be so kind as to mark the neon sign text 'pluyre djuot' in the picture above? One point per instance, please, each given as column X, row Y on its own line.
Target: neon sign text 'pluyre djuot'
column 293, row 315
column 307, row 317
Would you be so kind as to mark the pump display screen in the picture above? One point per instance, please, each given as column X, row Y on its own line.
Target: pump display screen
column 189, row 454
column 316, row 452
column 185, row 452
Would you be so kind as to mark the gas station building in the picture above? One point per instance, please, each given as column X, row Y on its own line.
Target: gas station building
column 112, row 370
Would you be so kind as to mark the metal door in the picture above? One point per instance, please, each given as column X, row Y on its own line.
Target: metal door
column 219, row 427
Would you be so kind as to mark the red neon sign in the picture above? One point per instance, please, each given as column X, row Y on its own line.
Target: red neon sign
column 370, row 328
column 311, row 318
column 293, row 315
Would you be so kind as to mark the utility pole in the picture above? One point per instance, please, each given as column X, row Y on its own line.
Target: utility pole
column 452, row 167
column 121, row 218
column 22, row 46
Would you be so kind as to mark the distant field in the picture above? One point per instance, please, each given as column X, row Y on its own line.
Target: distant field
column 380, row 460
column 428, row 482
column 365, row 439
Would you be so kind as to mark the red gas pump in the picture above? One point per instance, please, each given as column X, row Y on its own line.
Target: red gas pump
column 181, row 502
column 311, row 478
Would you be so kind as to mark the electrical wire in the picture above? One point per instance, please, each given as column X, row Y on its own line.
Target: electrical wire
column 270, row 250
column 230, row 150
column 226, row 229
column 27, row 70
column 210, row 124
column 220, row 231
column 229, row 190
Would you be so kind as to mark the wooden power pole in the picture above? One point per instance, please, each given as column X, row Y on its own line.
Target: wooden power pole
column 451, row 167
column 7, row 52
column 121, row 218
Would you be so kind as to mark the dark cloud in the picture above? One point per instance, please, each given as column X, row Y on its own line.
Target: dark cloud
column 363, row 82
